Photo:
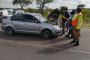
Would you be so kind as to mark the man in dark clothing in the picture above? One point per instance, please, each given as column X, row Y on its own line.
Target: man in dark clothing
column 70, row 25
column 54, row 15
column 65, row 16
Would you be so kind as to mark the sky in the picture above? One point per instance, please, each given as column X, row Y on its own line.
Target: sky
column 56, row 3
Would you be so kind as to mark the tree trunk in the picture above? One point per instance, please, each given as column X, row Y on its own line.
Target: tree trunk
column 41, row 7
column 21, row 6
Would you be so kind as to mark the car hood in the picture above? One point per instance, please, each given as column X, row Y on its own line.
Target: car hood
column 50, row 24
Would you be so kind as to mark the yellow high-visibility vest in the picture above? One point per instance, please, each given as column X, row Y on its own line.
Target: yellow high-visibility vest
column 77, row 20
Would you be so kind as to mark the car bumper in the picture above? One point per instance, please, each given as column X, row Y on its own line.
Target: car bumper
column 3, row 27
column 57, row 33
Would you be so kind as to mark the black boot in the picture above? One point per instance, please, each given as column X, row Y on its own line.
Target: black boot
column 71, row 37
column 73, row 41
column 76, row 44
column 67, row 36
column 63, row 33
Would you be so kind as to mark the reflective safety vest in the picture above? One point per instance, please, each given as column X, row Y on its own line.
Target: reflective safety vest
column 77, row 20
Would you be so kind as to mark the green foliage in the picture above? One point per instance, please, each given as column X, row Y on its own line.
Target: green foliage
column 45, row 12
column 43, row 1
column 22, row 3
column 41, row 4
column 86, row 15
column 31, row 10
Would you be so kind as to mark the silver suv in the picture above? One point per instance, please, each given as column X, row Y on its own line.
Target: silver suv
column 29, row 23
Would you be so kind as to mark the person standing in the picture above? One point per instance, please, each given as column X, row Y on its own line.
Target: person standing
column 65, row 16
column 77, row 21
column 70, row 25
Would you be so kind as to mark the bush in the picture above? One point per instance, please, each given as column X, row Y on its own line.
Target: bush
column 31, row 10
column 86, row 15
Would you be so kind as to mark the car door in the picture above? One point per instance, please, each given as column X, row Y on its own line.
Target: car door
column 33, row 25
column 18, row 22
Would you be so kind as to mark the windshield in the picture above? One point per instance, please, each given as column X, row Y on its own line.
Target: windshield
column 41, row 18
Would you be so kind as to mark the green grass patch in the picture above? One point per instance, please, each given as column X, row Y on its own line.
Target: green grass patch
column 86, row 15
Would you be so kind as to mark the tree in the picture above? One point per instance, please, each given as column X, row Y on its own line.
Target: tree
column 22, row 3
column 81, row 6
column 42, row 3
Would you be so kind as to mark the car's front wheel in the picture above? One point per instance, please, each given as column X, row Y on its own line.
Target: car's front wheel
column 10, row 31
column 46, row 34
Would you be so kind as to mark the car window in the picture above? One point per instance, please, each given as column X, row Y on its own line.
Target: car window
column 31, row 19
column 12, row 18
column 18, row 17
column 40, row 17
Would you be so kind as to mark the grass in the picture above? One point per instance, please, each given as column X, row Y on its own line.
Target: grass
column 86, row 14
column 86, row 25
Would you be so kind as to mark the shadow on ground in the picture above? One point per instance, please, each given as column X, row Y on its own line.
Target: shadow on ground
column 55, row 49
column 34, row 37
column 59, row 39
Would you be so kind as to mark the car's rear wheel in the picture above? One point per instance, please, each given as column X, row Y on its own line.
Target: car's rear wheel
column 10, row 31
column 46, row 34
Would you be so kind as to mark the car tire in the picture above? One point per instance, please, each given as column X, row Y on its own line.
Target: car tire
column 46, row 34
column 10, row 31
